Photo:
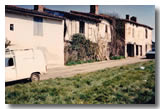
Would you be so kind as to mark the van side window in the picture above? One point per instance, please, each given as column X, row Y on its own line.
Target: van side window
column 9, row 62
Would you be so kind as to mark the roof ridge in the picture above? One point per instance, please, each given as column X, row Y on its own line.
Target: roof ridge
column 70, row 13
column 11, row 8
column 109, row 17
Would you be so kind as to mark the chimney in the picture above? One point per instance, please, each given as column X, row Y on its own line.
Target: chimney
column 133, row 18
column 94, row 9
column 127, row 17
column 38, row 8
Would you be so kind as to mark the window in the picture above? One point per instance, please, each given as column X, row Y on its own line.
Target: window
column 146, row 33
column 38, row 26
column 12, row 27
column 133, row 32
column 9, row 62
column 106, row 28
column 81, row 27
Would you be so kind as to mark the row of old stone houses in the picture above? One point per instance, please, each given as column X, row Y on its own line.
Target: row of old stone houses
column 50, row 30
column 95, row 28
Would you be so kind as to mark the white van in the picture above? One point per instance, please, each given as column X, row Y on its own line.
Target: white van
column 23, row 64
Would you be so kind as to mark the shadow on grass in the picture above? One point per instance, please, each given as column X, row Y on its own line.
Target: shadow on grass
column 23, row 81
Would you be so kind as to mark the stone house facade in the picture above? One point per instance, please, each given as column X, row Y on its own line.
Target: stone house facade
column 128, row 37
column 95, row 28
column 51, row 30
column 138, row 38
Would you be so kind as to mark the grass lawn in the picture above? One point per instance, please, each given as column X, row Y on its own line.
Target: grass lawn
column 128, row 84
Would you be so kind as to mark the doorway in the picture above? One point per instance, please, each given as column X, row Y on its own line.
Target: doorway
column 130, row 50
column 140, row 50
column 137, row 52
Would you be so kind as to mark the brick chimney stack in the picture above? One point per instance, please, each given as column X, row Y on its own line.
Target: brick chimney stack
column 39, row 8
column 127, row 17
column 94, row 9
column 133, row 18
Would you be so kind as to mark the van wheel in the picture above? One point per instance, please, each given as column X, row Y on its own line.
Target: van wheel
column 35, row 77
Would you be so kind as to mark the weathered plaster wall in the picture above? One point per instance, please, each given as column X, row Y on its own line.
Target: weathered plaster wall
column 72, row 28
column 137, row 35
column 51, row 43
column 95, row 32
column 103, row 39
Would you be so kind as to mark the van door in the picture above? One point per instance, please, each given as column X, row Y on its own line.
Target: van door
column 10, row 69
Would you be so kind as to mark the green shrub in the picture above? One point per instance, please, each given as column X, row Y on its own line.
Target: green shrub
column 80, row 62
column 81, row 50
column 117, row 57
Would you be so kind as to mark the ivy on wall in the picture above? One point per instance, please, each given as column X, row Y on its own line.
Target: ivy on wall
column 80, row 49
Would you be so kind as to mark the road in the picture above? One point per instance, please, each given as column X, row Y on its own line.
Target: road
column 68, row 71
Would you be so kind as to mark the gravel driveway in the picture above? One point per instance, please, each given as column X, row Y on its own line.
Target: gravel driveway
column 68, row 71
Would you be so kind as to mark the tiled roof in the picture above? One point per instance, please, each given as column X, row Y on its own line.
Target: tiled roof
column 71, row 15
column 136, row 23
column 102, row 16
column 98, row 16
column 30, row 12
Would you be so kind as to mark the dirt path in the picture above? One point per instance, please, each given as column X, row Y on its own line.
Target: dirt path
column 68, row 71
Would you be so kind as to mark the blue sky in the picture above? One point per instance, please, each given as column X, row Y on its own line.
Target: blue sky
column 145, row 13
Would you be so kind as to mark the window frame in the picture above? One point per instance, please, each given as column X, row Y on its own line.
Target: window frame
column 37, row 26
column 82, row 27
column 133, row 34
column 13, row 64
column 106, row 28
column 11, row 27
column 146, row 33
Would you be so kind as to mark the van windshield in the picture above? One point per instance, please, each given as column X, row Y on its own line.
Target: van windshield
column 9, row 62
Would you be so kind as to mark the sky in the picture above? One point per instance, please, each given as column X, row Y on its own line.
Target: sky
column 145, row 13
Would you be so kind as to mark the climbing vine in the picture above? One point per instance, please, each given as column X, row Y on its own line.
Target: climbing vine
column 80, row 49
